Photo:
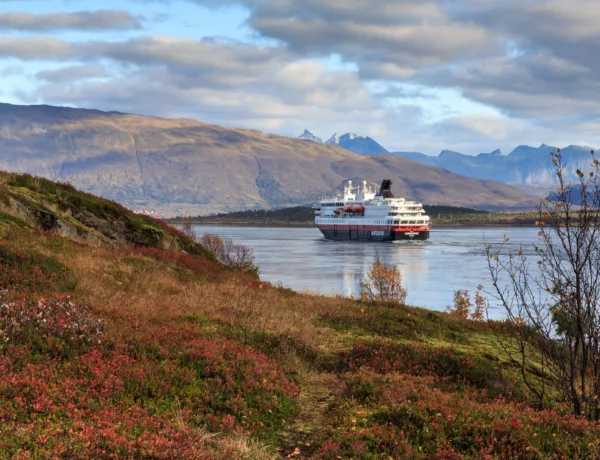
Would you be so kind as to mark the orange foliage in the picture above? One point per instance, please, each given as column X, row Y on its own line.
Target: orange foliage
column 382, row 283
column 465, row 309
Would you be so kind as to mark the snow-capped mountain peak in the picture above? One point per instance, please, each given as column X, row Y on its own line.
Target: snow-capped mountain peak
column 357, row 144
column 309, row 136
column 334, row 140
column 348, row 137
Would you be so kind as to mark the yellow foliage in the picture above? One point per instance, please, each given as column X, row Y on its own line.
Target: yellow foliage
column 382, row 283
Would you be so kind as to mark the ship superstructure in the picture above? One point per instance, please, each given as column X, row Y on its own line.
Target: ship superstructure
column 360, row 214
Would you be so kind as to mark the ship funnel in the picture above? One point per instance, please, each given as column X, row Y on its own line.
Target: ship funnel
column 386, row 189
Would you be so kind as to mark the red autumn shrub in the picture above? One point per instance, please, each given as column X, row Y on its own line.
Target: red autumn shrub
column 82, row 409
column 248, row 385
column 198, row 265
column 423, row 360
column 108, row 404
column 27, row 270
column 404, row 416
column 170, row 229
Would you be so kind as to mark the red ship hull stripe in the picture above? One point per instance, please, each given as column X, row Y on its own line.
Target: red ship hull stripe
column 341, row 228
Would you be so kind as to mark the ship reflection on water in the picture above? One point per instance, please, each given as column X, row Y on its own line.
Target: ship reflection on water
column 432, row 270
column 404, row 255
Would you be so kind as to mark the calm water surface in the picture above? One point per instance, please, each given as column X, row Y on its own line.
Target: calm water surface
column 432, row 270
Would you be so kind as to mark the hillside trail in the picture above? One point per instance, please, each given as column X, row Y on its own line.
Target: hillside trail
column 301, row 438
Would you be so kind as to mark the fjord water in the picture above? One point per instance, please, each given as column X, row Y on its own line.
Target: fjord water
column 453, row 258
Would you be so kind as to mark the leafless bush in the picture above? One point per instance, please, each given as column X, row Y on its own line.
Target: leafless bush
column 240, row 255
column 212, row 243
column 554, row 317
column 224, row 249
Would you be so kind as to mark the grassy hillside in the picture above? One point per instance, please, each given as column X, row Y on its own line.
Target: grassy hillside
column 113, row 347
column 178, row 166
column 62, row 209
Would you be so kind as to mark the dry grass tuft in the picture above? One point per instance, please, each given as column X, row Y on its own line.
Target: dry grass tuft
column 241, row 446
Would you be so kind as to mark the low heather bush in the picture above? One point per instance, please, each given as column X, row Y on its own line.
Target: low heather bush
column 199, row 266
column 422, row 360
column 27, row 270
column 403, row 416
column 55, row 326
column 82, row 408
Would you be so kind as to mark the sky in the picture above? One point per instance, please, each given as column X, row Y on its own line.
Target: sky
column 416, row 75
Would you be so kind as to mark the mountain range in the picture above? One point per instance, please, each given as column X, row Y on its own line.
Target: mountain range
column 349, row 141
column 526, row 167
column 185, row 167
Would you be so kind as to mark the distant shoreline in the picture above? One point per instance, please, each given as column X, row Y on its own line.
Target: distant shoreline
column 434, row 225
column 302, row 216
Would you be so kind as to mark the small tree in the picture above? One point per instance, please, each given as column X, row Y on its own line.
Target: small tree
column 382, row 283
column 462, row 304
column 478, row 313
column 553, row 318
column 464, row 308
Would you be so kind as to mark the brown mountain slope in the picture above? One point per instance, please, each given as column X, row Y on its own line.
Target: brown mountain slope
column 180, row 165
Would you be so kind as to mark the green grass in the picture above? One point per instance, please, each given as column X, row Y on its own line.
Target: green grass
column 399, row 323
column 10, row 221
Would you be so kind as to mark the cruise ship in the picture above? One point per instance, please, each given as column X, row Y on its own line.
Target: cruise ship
column 363, row 215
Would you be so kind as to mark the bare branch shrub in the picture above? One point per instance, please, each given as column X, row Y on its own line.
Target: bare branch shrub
column 382, row 283
column 212, row 243
column 554, row 317
column 224, row 249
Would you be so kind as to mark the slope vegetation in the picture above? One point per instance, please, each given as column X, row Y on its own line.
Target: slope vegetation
column 183, row 167
column 130, row 351
column 66, row 211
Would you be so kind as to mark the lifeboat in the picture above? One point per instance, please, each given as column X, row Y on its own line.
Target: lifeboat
column 357, row 209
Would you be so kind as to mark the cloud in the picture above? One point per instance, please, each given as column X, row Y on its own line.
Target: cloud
column 42, row 48
column 550, row 65
column 72, row 73
column 534, row 59
column 90, row 21
column 234, row 84
column 532, row 63
column 385, row 39
column 482, row 133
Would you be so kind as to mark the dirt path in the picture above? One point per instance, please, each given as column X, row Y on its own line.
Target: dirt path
column 301, row 437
